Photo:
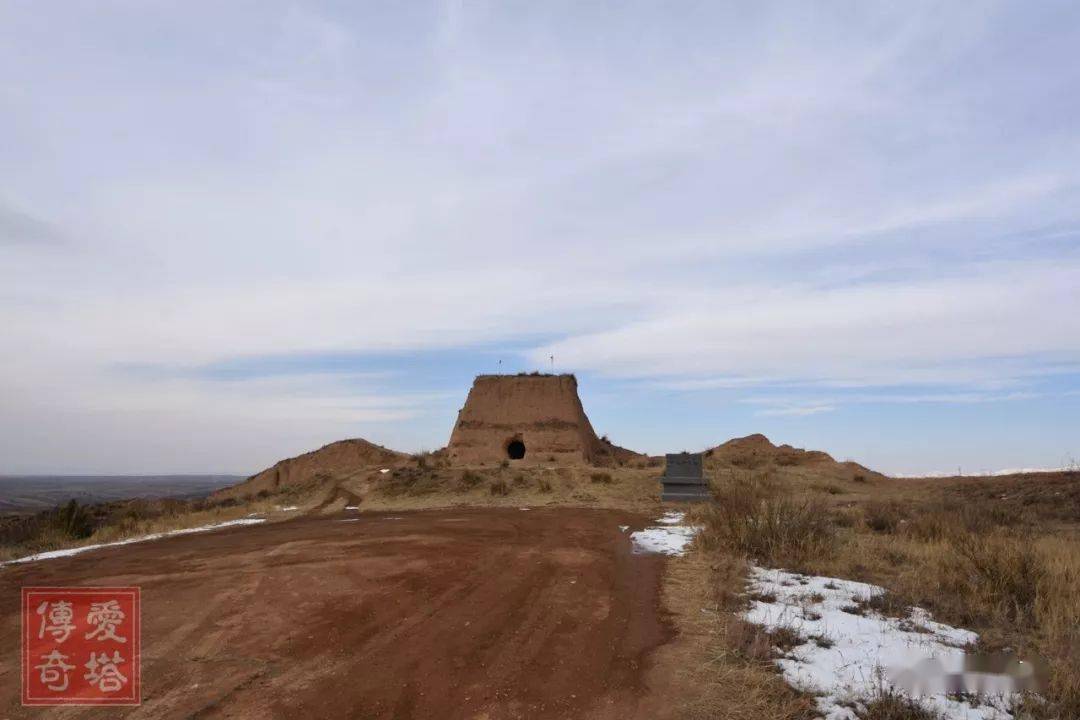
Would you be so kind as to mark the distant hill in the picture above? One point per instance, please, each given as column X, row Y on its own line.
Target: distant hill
column 31, row 493
column 756, row 451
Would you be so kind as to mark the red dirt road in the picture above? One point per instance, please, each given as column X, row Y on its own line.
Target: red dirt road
column 480, row 614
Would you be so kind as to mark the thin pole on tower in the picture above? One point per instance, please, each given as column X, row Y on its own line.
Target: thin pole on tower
column 552, row 364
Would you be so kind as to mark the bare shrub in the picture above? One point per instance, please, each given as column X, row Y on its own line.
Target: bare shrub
column 883, row 517
column 601, row 478
column 49, row 528
column 992, row 579
column 499, row 487
column 543, row 485
column 520, row 481
column 751, row 518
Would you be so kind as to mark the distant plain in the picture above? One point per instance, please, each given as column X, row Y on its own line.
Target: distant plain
column 25, row 494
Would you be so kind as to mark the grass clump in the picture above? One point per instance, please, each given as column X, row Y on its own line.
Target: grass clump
column 786, row 639
column 543, row 485
column 469, row 479
column 499, row 488
column 890, row 705
column 411, row 481
column 601, row 478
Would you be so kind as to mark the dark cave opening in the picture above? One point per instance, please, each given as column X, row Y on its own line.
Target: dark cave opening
column 515, row 450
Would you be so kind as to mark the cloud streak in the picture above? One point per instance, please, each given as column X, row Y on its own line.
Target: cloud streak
column 709, row 202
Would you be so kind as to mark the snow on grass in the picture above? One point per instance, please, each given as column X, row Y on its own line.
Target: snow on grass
column 669, row 539
column 672, row 517
column 51, row 554
column 288, row 508
column 845, row 657
column 352, row 507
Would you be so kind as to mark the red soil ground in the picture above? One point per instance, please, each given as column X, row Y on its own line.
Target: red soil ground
column 440, row 614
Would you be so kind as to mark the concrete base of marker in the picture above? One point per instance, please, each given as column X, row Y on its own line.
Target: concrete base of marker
column 684, row 489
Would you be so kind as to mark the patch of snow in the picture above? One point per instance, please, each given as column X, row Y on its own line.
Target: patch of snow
column 352, row 507
column 865, row 651
column 67, row 552
column 350, row 520
column 671, row 540
column 624, row 528
column 288, row 508
column 668, row 539
column 524, row 509
column 385, row 470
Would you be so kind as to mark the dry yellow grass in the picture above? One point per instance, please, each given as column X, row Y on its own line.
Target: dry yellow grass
column 131, row 527
column 1013, row 578
column 432, row 485
column 721, row 666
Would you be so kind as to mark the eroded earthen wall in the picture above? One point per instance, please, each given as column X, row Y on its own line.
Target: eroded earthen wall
column 542, row 411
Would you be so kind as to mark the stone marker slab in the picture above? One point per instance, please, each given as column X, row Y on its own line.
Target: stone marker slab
column 684, row 478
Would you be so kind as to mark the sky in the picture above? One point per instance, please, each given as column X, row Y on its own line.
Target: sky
column 233, row 232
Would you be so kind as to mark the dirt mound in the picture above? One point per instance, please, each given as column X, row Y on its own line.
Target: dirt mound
column 757, row 451
column 527, row 418
column 336, row 459
column 612, row 454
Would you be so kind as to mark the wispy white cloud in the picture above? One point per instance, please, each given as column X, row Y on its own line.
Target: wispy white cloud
column 796, row 411
column 781, row 405
column 792, row 196
column 958, row 327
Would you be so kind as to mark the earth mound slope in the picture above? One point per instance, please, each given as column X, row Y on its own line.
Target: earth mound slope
column 334, row 460
column 755, row 452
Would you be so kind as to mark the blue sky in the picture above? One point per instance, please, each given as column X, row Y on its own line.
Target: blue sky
column 233, row 233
